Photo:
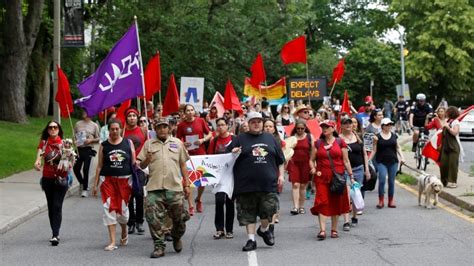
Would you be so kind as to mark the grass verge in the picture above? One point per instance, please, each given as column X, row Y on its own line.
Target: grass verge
column 407, row 179
column 471, row 170
column 469, row 194
column 19, row 141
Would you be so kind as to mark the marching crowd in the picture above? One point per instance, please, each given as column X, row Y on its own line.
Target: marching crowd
column 142, row 174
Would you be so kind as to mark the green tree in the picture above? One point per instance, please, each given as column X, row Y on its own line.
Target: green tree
column 370, row 59
column 439, row 37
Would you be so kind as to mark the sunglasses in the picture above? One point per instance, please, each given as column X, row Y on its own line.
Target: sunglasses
column 244, row 108
column 286, row 107
column 227, row 113
column 300, row 128
column 142, row 121
column 53, row 127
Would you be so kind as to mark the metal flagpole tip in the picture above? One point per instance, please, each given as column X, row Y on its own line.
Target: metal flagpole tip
column 135, row 17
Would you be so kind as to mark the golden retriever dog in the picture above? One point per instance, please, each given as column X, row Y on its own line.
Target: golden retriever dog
column 430, row 186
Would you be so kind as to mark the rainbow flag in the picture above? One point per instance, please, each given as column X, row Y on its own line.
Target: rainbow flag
column 275, row 93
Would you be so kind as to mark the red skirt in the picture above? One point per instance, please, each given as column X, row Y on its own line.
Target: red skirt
column 298, row 171
column 326, row 202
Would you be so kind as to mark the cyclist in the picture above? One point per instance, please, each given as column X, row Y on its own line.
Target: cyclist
column 402, row 107
column 418, row 115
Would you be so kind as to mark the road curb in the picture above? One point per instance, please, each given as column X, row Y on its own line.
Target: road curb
column 33, row 212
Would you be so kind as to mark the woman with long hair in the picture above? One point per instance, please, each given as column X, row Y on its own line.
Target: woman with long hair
column 438, row 121
column 285, row 118
column 359, row 162
column 298, row 166
column 114, row 171
column 451, row 149
column 47, row 157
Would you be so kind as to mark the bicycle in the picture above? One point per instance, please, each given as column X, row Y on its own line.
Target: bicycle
column 402, row 125
column 421, row 161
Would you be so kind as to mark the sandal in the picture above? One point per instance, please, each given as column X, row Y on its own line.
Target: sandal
column 301, row 211
column 334, row 234
column 219, row 235
column 294, row 211
column 229, row 235
column 321, row 235
column 110, row 248
column 124, row 241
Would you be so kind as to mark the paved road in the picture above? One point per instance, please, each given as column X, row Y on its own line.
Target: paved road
column 468, row 146
column 406, row 235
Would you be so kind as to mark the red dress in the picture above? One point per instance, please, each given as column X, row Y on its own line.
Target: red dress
column 298, row 167
column 326, row 202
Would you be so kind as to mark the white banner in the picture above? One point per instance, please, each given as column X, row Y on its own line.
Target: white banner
column 192, row 92
column 213, row 170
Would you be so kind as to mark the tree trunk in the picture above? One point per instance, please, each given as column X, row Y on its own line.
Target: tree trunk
column 41, row 93
column 19, row 38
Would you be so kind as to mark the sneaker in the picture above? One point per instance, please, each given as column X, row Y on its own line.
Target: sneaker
column 85, row 194
column 198, row 205
column 271, row 228
column 191, row 211
column 250, row 245
column 354, row 221
column 131, row 229
column 168, row 237
column 54, row 241
column 177, row 245
column 346, row 227
column 451, row 185
column 140, row 229
column 267, row 236
column 359, row 212
column 158, row 252
column 308, row 194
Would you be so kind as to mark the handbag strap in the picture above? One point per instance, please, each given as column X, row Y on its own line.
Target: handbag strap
column 330, row 161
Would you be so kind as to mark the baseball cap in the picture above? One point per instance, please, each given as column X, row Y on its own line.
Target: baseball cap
column 254, row 115
column 328, row 123
column 161, row 121
column 387, row 121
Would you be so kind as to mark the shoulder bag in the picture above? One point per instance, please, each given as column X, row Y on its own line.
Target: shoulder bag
column 338, row 181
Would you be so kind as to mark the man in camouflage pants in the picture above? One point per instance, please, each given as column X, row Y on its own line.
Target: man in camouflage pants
column 166, row 159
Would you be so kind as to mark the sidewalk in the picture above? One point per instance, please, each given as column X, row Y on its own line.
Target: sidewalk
column 454, row 195
column 21, row 197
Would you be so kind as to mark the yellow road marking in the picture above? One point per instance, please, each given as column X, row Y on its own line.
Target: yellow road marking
column 440, row 205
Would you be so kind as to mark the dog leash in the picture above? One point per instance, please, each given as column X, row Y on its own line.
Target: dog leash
column 411, row 168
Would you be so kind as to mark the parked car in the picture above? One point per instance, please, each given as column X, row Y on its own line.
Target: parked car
column 466, row 128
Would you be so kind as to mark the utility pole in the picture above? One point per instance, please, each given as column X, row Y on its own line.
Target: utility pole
column 56, row 56
column 402, row 59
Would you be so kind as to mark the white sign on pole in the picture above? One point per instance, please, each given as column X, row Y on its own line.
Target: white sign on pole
column 405, row 92
column 192, row 92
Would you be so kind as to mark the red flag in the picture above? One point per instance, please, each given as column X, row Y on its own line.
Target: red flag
column 338, row 72
column 121, row 110
column 152, row 76
column 63, row 95
column 218, row 102
column 431, row 149
column 294, row 51
column 258, row 71
column 464, row 113
column 171, row 104
column 231, row 101
column 345, row 104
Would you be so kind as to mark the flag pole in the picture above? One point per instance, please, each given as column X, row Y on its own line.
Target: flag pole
column 333, row 85
column 307, row 79
column 159, row 89
column 141, row 72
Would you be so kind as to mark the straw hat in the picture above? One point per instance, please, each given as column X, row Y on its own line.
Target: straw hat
column 300, row 108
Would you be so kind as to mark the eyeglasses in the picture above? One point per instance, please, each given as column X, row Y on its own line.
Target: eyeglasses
column 300, row 128
column 53, row 127
column 226, row 113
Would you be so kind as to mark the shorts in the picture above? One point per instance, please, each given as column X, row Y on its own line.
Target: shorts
column 253, row 204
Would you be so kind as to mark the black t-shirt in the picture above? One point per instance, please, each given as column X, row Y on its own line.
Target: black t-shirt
column 420, row 113
column 356, row 157
column 256, row 169
column 116, row 159
column 386, row 150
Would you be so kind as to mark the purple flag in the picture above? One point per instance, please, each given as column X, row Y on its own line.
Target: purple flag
column 117, row 79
